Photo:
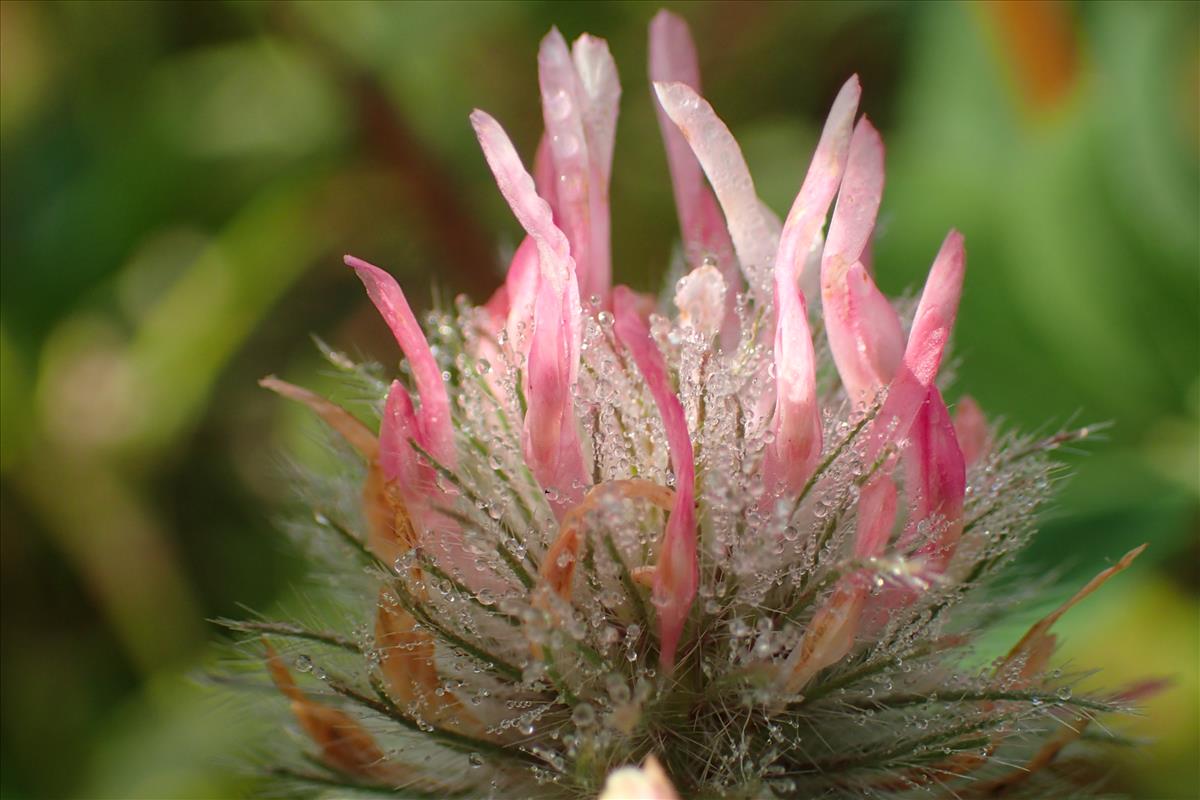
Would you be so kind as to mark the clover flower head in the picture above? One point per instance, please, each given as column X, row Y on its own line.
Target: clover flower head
column 733, row 534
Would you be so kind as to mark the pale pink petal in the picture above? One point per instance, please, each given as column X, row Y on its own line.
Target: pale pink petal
column 792, row 455
column 673, row 59
column 648, row 782
column 436, row 433
column 700, row 297
column 936, row 481
column 597, row 73
column 549, row 436
column 864, row 332
column 517, row 187
column 601, row 95
column 807, row 216
column 971, row 427
column 415, row 481
column 754, row 233
column 562, row 112
column 677, row 575
column 580, row 93
column 705, row 237
column 543, row 174
column 555, row 264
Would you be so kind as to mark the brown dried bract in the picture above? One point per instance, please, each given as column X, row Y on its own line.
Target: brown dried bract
column 343, row 742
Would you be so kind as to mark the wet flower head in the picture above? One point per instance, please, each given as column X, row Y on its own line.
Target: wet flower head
column 734, row 535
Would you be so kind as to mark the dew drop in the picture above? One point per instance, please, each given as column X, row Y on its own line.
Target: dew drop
column 584, row 715
column 558, row 105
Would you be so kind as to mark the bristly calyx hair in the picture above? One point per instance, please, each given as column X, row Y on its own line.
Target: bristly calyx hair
column 734, row 533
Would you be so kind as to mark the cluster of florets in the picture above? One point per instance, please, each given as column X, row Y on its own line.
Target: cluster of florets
column 612, row 529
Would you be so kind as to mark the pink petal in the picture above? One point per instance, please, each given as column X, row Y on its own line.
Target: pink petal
column 829, row 636
column 935, row 315
column 792, row 456
column 859, row 198
column 673, row 58
column 879, row 335
column 876, row 515
column 677, row 574
column 937, row 479
column 754, row 233
column 971, row 428
column 497, row 307
column 550, row 438
column 864, row 332
column 412, row 477
column 562, row 111
column 927, row 340
column 412, row 480
column 398, row 426
column 436, row 433
column 521, row 284
column 489, row 321
column 832, row 632
column 416, row 482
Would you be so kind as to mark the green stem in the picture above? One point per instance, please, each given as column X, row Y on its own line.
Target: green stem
column 422, row 615
column 902, row 700
column 631, row 588
column 433, row 569
column 514, row 563
column 865, row 670
column 884, row 757
column 452, row 739
column 836, row 453
column 290, row 631
column 476, row 501
column 340, row 781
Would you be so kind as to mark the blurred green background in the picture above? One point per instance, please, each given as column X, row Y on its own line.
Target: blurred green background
column 180, row 180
